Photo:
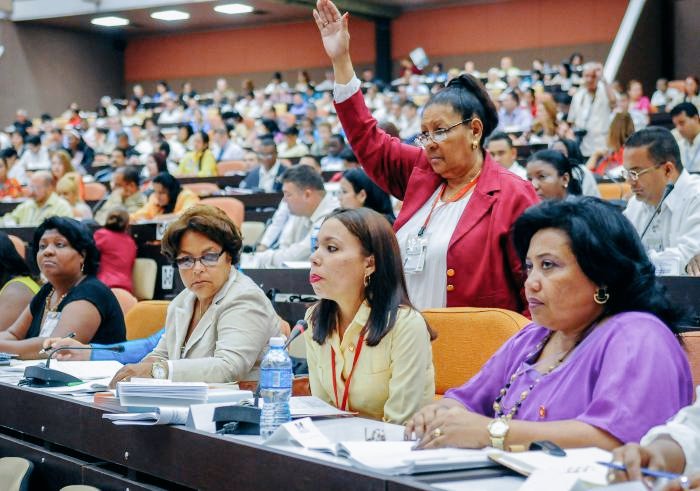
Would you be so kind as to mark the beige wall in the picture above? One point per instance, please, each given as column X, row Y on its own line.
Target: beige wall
column 44, row 69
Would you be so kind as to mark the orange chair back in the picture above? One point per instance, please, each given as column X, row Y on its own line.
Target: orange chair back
column 19, row 244
column 692, row 349
column 203, row 188
column 614, row 190
column 146, row 318
column 95, row 191
column 126, row 300
column 231, row 206
column 231, row 167
column 467, row 337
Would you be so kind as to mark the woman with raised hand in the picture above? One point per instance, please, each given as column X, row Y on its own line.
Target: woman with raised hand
column 367, row 348
column 458, row 204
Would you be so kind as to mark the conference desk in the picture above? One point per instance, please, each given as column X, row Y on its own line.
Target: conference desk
column 70, row 443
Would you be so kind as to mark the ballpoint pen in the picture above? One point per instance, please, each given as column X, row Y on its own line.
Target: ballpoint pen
column 70, row 335
column 650, row 472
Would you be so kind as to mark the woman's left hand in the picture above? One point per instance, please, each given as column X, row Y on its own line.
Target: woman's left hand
column 456, row 427
column 135, row 370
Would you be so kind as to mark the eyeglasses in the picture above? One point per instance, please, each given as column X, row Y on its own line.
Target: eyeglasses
column 437, row 136
column 207, row 260
column 633, row 175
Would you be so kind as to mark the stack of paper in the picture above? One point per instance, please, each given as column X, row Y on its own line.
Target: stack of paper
column 161, row 416
column 157, row 393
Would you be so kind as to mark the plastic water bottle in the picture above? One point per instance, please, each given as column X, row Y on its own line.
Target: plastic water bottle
column 314, row 237
column 275, row 387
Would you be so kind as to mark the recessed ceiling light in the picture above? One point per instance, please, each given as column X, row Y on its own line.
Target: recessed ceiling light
column 110, row 21
column 170, row 15
column 233, row 8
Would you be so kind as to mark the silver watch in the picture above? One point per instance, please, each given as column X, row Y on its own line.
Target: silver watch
column 159, row 370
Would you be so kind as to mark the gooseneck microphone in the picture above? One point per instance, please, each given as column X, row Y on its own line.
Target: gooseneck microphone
column 667, row 190
column 43, row 376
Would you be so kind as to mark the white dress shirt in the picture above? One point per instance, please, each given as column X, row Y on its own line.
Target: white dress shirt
column 592, row 114
column 674, row 236
column 690, row 153
column 267, row 177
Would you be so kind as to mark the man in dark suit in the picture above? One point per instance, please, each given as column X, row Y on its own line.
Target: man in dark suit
column 266, row 178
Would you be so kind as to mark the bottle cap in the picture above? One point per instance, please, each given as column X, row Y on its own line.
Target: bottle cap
column 277, row 341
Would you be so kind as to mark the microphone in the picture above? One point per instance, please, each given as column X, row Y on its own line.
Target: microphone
column 667, row 190
column 298, row 330
column 43, row 376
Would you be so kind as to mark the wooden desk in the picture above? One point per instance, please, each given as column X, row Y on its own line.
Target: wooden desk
column 221, row 181
column 70, row 443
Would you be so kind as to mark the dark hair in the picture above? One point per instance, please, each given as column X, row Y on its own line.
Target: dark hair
column 271, row 125
column 348, row 155
column 161, row 163
column 684, row 107
column 11, row 263
column 187, row 128
column 512, row 94
column 608, row 250
column 563, row 166
column 304, row 177
column 117, row 219
column 33, row 140
column 120, row 150
column 8, row 152
column 499, row 136
column 173, row 186
column 267, row 141
column 660, row 144
column 573, row 151
column 208, row 221
column 377, row 199
column 78, row 236
column 386, row 291
column 130, row 174
column 205, row 140
column 164, row 148
column 468, row 97
column 567, row 68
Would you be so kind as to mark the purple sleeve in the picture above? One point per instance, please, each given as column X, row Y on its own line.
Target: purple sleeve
column 643, row 365
column 479, row 393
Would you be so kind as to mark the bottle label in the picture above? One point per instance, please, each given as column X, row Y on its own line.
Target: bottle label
column 276, row 378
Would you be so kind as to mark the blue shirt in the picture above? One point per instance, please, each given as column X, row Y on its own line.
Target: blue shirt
column 134, row 350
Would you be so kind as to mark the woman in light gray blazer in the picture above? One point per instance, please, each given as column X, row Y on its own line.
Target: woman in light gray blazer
column 217, row 329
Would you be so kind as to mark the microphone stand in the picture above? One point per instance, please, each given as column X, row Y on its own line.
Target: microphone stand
column 44, row 376
column 667, row 190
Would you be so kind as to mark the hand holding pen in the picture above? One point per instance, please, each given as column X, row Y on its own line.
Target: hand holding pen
column 50, row 342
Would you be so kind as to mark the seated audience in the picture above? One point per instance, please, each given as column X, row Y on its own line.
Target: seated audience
column 168, row 198
column 60, row 165
column 544, row 126
column 309, row 204
column 155, row 164
column 357, row 191
column 217, row 329
column 125, row 193
column 266, row 178
column 664, row 95
column 200, row 162
column 367, row 348
column 291, row 147
column 72, row 300
column 9, row 187
column 35, row 157
column 500, row 147
column 80, row 152
column 226, row 150
column 17, row 287
column 42, row 203
column 553, row 175
column 69, row 189
column 117, row 251
column 608, row 162
column 654, row 170
column 687, row 122
column 571, row 150
column 603, row 338
column 15, row 171
column 333, row 159
column 511, row 117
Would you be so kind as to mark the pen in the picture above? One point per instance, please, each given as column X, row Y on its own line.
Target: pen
column 70, row 335
column 647, row 472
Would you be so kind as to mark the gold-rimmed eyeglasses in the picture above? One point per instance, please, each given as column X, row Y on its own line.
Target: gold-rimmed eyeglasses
column 633, row 175
column 437, row 136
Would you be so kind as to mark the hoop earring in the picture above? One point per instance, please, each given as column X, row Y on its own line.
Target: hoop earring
column 601, row 296
column 367, row 278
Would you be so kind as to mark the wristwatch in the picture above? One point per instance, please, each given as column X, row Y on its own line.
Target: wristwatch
column 498, row 429
column 159, row 370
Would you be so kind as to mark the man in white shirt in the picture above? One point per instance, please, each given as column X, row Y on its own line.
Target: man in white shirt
column 671, row 236
column 501, row 148
column 35, row 156
column 590, row 109
column 409, row 122
column 267, row 177
column 224, row 149
column 687, row 122
column 308, row 204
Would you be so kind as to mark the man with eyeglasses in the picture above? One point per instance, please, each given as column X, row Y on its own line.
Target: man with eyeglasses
column 671, row 235
column 267, row 177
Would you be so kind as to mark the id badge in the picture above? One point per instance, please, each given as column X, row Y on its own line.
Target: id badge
column 416, row 250
column 50, row 322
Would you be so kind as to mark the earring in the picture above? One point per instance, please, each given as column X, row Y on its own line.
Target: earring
column 82, row 267
column 601, row 296
column 367, row 278
column 475, row 145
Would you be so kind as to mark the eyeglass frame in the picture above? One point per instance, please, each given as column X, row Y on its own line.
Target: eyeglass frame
column 430, row 135
column 201, row 260
column 633, row 175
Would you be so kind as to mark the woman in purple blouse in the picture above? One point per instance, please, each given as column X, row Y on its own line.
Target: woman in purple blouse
column 600, row 364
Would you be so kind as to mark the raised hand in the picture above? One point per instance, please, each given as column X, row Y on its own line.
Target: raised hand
column 334, row 29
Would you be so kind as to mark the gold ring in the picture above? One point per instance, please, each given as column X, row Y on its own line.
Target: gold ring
column 325, row 24
column 437, row 433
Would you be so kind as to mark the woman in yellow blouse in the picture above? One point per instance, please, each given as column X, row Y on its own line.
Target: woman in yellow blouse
column 367, row 348
column 17, row 288
column 201, row 161
column 168, row 198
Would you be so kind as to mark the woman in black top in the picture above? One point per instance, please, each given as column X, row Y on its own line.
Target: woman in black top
column 73, row 300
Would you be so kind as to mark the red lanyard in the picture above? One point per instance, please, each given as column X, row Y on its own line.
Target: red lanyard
column 358, row 348
column 462, row 192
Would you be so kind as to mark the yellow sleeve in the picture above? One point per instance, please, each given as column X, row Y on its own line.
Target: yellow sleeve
column 412, row 383
column 147, row 211
column 185, row 199
column 312, row 360
column 186, row 165
column 207, row 167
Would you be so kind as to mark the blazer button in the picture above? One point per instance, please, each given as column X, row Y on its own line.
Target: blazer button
column 351, row 348
column 450, row 288
column 450, row 272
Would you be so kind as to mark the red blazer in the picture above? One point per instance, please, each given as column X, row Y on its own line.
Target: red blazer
column 483, row 269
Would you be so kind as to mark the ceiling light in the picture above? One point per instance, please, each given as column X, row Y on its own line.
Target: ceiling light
column 233, row 8
column 170, row 15
column 110, row 21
